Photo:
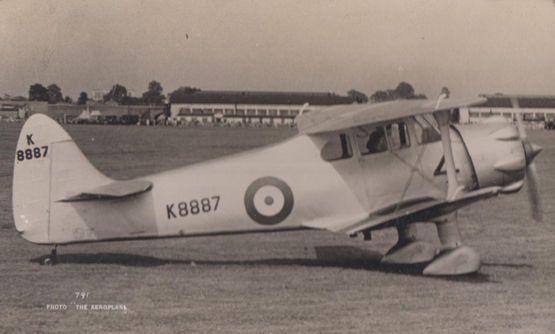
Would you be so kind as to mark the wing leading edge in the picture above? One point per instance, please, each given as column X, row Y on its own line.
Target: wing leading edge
column 348, row 116
column 422, row 210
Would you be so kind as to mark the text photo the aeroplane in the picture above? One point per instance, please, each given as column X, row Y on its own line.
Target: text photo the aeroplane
column 351, row 169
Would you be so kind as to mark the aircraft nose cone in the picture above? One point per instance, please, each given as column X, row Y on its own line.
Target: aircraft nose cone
column 531, row 151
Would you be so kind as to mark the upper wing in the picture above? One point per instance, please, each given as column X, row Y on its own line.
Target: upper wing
column 112, row 190
column 347, row 116
column 421, row 210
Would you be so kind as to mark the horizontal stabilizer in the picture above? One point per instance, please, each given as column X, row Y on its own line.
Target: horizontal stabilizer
column 112, row 190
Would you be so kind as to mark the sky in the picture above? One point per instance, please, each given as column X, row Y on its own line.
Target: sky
column 470, row 46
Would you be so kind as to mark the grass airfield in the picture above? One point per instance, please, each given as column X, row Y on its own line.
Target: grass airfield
column 294, row 282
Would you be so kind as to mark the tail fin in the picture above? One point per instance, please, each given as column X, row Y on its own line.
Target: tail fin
column 48, row 166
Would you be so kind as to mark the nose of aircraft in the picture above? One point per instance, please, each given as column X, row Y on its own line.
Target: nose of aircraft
column 503, row 156
column 497, row 153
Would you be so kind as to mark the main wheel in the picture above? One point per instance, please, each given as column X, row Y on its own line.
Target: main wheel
column 48, row 261
column 51, row 259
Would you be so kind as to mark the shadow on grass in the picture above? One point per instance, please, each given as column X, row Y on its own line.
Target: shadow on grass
column 346, row 257
column 508, row 265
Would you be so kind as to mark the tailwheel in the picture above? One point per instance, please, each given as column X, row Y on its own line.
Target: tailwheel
column 51, row 259
column 408, row 249
column 454, row 258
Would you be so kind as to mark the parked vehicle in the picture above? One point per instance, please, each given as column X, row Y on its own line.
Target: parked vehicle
column 129, row 119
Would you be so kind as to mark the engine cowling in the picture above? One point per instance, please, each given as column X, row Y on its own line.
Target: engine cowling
column 496, row 153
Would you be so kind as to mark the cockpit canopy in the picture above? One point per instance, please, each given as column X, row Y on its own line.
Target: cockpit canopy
column 379, row 138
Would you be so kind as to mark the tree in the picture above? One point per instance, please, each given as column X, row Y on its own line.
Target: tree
column 357, row 96
column 181, row 91
column 154, row 93
column 392, row 94
column 83, row 98
column 132, row 101
column 404, row 90
column 116, row 94
column 38, row 92
column 379, row 96
column 445, row 91
column 68, row 99
column 54, row 94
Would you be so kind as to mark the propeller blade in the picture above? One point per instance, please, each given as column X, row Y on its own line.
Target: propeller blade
column 520, row 127
column 530, row 150
column 533, row 193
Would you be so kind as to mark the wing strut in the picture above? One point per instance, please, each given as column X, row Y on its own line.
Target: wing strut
column 442, row 118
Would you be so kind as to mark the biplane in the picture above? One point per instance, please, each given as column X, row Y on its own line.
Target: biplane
column 352, row 169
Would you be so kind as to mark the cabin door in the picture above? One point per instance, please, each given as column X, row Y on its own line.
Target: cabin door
column 388, row 161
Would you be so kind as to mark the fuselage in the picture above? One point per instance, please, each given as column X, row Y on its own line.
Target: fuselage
column 285, row 186
column 211, row 197
column 214, row 196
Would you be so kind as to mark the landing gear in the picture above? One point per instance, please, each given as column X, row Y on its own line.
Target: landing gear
column 457, row 261
column 454, row 258
column 51, row 259
column 408, row 249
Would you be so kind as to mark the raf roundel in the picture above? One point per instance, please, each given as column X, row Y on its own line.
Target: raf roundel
column 268, row 200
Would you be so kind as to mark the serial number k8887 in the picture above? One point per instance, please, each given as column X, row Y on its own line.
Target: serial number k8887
column 192, row 207
column 32, row 153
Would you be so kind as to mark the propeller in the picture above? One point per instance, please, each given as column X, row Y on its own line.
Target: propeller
column 530, row 152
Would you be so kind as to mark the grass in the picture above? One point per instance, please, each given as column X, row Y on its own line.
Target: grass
column 295, row 282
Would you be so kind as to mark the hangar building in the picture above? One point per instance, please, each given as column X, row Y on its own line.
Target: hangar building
column 249, row 107
column 533, row 108
column 11, row 109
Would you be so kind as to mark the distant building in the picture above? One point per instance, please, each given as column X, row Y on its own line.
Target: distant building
column 9, row 110
column 249, row 107
column 532, row 108
column 68, row 112
column 17, row 109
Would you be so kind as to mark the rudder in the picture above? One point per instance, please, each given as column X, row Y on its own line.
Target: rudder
column 48, row 165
